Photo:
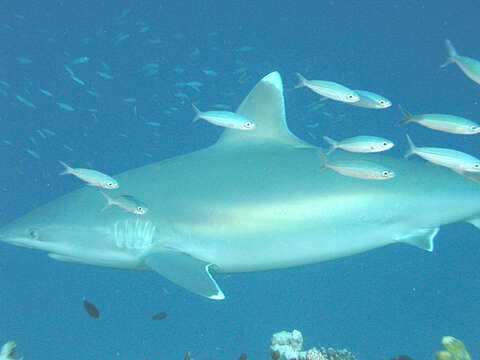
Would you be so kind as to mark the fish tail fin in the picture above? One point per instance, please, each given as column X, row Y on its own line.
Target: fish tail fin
column 198, row 113
column 301, row 81
column 333, row 144
column 68, row 169
column 322, row 157
column 452, row 54
column 108, row 198
column 411, row 147
column 408, row 116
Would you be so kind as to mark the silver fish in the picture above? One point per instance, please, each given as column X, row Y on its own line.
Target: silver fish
column 64, row 106
column 371, row 100
column 92, row 177
column 25, row 102
column 329, row 89
column 126, row 202
column 226, row 119
column 361, row 144
column 81, row 60
column 469, row 66
column 442, row 122
column 366, row 170
column 453, row 159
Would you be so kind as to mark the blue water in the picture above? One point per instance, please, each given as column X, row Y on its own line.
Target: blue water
column 394, row 300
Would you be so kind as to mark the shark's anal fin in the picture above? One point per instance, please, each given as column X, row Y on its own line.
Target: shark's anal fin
column 186, row 271
column 422, row 238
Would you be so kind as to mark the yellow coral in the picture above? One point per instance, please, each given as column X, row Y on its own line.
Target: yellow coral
column 455, row 350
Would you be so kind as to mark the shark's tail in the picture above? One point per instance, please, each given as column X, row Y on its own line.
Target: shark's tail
column 333, row 144
column 411, row 147
column 68, row 169
column 452, row 54
column 408, row 116
column 301, row 81
column 198, row 113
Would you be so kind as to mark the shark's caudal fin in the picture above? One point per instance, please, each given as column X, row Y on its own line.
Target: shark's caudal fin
column 186, row 271
column 265, row 105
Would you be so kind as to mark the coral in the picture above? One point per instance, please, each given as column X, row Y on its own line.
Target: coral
column 289, row 346
column 333, row 354
column 314, row 354
column 8, row 351
column 454, row 350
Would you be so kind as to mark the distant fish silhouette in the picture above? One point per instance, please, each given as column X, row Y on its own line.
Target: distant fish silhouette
column 159, row 316
column 243, row 356
column 402, row 357
column 91, row 309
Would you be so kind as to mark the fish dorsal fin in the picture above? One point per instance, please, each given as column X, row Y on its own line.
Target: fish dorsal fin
column 264, row 105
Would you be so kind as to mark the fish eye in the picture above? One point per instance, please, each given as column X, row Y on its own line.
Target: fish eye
column 248, row 124
column 385, row 173
column 473, row 127
column 110, row 184
column 350, row 96
column 385, row 143
column 382, row 102
column 476, row 166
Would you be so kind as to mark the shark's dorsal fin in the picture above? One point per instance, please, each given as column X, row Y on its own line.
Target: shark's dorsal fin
column 265, row 105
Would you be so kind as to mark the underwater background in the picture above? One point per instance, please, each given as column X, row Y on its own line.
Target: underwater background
column 147, row 62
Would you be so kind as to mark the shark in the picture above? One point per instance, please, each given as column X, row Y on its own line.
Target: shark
column 253, row 201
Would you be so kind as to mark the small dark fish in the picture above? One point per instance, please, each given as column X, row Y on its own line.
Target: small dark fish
column 243, row 356
column 187, row 356
column 159, row 316
column 91, row 309
column 402, row 357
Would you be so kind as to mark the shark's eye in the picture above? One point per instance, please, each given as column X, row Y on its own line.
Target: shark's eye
column 33, row 233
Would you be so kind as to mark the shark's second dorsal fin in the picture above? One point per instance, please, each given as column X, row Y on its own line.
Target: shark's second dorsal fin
column 265, row 105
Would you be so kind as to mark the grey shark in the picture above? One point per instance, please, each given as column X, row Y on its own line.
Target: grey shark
column 256, row 200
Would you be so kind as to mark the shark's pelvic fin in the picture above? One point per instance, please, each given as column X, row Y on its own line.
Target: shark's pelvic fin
column 475, row 222
column 422, row 238
column 265, row 105
column 186, row 271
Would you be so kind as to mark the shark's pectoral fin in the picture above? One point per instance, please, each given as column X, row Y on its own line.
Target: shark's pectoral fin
column 186, row 271
column 422, row 238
